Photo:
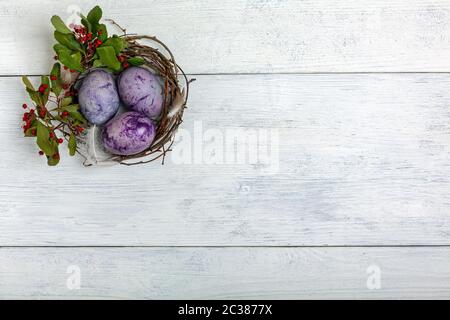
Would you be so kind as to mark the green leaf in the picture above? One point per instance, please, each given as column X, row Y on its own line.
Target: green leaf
column 67, row 40
column 117, row 43
column 45, row 80
column 72, row 145
column 72, row 61
column 56, row 70
column 59, row 47
column 97, row 64
column 56, row 84
column 78, row 116
column 94, row 17
column 66, row 101
column 59, row 25
column 102, row 33
column 43, row 139
column 77, row 57
column 71, row 108
column 52, row 161
column 136, row 61
column 27, row 83
column 108, row 57
column 35, row 96
column 86, row 23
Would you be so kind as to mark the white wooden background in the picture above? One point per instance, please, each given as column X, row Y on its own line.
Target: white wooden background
column 359, row 91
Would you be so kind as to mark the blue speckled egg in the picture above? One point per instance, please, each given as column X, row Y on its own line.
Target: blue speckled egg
column 98, row 97
column 129, row 133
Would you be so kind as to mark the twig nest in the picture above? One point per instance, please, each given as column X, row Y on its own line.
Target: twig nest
column 157, row 97
column 158, row 71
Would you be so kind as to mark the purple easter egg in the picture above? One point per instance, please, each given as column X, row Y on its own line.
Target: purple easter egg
column 98, row 97
column 129, row 133
column 141, row 90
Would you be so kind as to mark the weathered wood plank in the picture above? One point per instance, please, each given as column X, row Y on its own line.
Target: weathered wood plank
column 363, row 160
column 225, row 273
column 230, row 36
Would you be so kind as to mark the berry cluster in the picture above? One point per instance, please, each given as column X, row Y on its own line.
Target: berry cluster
column 123, row 60
column 84, row 37
column 28, row 118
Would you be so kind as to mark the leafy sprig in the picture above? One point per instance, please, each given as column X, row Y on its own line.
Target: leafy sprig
column 47, row 124
column 56, row 112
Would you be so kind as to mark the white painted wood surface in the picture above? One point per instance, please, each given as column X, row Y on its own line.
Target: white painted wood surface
column 225, row 273
column 363, row 159
column 232, row 36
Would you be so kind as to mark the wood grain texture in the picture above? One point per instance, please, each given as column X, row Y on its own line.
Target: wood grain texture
column 229, row 36
column 225, row 273
column 363, row 160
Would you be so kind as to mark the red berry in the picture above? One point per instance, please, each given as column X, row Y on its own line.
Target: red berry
column 24, row 106
column 60, row 140
column 121, row 58
column 80, row 129
column 41, row 153
column 126, row 65
column 65, row 86
column 53, row 78
column 72, row 71
column 65, row 114
column 79, row 29
column 27, row 125
column 52, row 135
column 66, row 68
column 32, row 111
column 33, row 132
column 100, row 32
column 42, row 88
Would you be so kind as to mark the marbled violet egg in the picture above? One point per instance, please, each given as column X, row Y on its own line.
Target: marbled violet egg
column 141, row 90
column 129, row 133
column 98, row 97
